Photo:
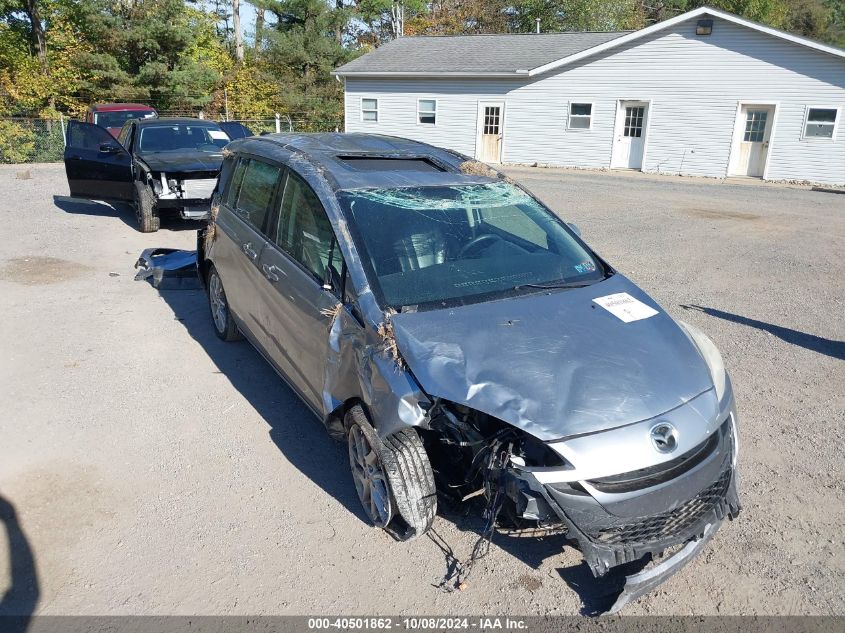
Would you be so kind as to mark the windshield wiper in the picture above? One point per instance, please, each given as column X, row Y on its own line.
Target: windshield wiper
column 556, row 286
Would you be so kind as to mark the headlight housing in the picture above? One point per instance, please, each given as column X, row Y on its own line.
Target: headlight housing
column 711, row 356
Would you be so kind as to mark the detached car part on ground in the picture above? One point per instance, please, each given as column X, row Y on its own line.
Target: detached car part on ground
column 465, row 341
column 159, row 165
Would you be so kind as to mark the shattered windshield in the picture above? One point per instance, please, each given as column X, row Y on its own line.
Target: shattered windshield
column 463, row 243
column 182, row 137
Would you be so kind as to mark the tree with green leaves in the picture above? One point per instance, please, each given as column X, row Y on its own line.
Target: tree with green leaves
column 148, row 50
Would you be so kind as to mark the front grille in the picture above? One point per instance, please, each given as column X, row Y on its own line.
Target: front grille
column 653, row 475
column 669, row 525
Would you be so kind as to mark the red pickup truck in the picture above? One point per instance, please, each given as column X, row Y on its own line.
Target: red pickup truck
column 112, row 116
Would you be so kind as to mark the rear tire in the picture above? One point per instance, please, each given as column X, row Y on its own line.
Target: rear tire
column 402, row 460
column 221, row 317
column 145, row 211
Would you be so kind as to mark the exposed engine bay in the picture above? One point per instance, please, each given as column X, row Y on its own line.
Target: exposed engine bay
column 476, row 457
column 188, row 192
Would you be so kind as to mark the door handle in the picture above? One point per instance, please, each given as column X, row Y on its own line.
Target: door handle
column 248, row 250
column 271, row 272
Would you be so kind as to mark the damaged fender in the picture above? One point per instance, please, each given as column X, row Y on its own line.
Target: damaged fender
column 359, row 366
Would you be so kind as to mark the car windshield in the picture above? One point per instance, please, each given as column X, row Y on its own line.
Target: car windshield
column 118, row 118
column 461, row 244
column 181, row 137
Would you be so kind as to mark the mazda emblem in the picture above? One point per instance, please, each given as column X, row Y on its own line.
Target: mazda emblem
column 664, row 437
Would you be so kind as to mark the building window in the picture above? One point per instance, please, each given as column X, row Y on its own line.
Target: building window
column 427, row 111
column 369, row 109
column 580, row 116
column 821, row 122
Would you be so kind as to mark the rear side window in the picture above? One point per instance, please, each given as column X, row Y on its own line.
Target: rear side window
column 256, row 191
column 304, row 230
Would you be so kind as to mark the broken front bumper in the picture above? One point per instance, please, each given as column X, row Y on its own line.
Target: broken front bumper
column 621, row 519
column 168, row 269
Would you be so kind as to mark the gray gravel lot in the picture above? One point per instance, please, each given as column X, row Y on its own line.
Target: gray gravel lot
column 156, row 470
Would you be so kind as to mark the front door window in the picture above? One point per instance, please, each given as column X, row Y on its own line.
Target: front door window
column 491, row 119
column 755, row 126
column 634, row 116
column 304, row 230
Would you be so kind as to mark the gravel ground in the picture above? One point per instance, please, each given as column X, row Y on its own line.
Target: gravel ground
column 153, row 469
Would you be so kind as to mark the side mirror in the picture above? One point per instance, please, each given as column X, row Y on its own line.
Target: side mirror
column 575, row 228
column 109, row 148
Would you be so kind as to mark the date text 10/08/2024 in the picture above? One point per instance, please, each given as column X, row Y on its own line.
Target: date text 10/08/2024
column 417, row 623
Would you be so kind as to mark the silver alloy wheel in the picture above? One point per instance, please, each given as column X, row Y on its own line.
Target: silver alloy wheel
column 370, row 480
column 219, row 309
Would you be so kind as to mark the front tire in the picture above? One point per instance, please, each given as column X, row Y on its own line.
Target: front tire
column 145, row 211
column 221, row 317
column 393, row 477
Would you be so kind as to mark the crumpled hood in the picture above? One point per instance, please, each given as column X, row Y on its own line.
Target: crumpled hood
column 183, row 161
column 554, row 364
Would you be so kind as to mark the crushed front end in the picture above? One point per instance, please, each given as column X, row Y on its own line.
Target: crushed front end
column 613, row 509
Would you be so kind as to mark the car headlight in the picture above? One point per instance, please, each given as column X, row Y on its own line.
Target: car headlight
column 711, row 356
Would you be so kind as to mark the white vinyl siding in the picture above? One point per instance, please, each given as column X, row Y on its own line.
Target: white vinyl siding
column 694, row 86
column 457, row 104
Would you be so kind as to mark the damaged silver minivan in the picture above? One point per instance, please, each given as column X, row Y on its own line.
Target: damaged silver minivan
column 466, row 342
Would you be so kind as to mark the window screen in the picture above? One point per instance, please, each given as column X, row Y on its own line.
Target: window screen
column 821, row 122
column 256, row 192
column 427, row 111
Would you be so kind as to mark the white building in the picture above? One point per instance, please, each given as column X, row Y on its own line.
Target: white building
column 705, row 93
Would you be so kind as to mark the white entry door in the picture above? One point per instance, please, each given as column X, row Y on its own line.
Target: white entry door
column 629, row 140
column 489, row 143
column 753, row 140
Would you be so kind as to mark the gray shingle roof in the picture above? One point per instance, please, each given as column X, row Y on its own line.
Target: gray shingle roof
column 473, row 54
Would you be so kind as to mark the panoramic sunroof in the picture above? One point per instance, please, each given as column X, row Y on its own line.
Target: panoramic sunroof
column 367, row 163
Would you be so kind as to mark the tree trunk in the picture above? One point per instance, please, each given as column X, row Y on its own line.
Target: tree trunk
column 236, row 27
column 39, row 42
column 338, row 30
column 259, row 27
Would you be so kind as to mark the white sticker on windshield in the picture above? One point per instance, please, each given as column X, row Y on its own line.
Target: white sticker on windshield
column 625, row 307
column 218, row 135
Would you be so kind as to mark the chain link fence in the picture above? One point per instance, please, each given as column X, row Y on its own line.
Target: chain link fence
column 28, row 140
column 37, row 140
